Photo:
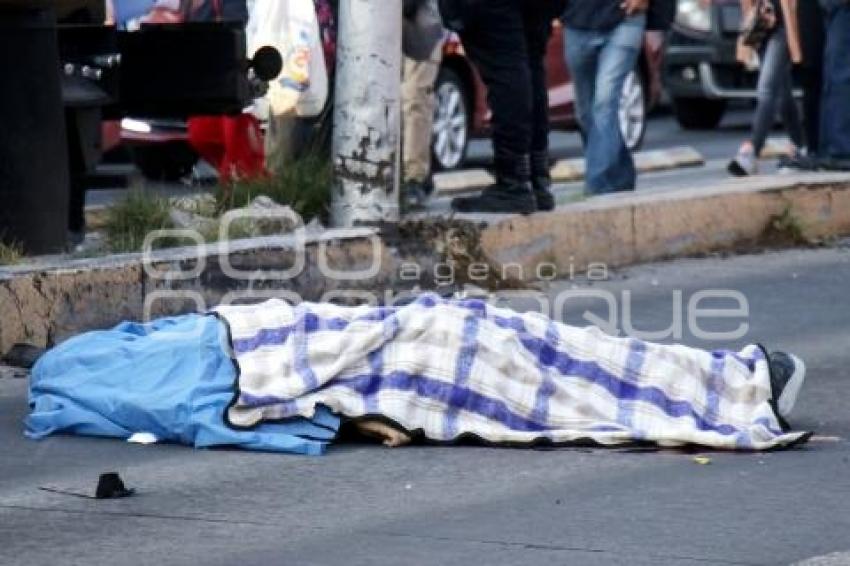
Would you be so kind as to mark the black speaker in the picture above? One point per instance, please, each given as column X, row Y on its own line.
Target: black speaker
column 185, row 69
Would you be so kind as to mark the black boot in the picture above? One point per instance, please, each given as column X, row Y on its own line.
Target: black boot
column 510, row 195
column 541, row 181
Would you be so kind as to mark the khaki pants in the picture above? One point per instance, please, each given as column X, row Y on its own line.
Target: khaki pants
column 418, row 102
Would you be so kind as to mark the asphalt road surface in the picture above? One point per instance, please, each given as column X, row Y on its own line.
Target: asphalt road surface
column 369, row 505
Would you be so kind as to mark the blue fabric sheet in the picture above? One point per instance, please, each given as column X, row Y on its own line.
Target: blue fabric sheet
column 171, row 378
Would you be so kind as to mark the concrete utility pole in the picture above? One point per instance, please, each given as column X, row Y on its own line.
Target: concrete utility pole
column 366, row 143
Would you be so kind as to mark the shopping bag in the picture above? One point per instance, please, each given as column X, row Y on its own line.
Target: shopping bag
column 291, row 26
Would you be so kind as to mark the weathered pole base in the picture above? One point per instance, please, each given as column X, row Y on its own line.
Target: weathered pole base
column 366, row 143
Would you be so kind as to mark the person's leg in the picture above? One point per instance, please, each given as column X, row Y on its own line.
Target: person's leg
column 791, row 112
column 811, row 70
column 581, row 50
column 610, row 166
column 495, row 42
column 418, row 121
column 776, row 66
column 538, row 30
column 835, row 124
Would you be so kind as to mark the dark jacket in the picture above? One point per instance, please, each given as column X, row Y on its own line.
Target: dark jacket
column 593, row 14
column 456, row 13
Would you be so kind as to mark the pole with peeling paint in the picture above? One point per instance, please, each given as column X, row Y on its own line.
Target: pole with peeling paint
column 366, row 142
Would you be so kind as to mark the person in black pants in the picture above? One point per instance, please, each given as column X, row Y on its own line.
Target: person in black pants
column 506, row 40
column 811, row 72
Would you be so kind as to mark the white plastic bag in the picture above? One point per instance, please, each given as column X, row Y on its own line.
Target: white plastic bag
column 291, row 26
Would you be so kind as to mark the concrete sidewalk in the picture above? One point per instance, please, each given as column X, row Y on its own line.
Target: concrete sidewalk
column 568, row 170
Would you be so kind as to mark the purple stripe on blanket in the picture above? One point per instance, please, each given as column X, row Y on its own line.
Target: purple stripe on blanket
column 457, row 397
column 391, row 327
column 632, row 374
column 622, row 390
column 714, row 387
column 547, row 387
column 463, row 367
column 311, row 323
column 545, row 352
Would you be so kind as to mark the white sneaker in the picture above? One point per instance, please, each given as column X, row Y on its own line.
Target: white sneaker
column 743, row 165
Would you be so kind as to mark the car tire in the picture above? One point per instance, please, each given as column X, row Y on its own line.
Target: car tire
column 452, row 120
column 165, row 161
column 698, row 113
column 633, row 110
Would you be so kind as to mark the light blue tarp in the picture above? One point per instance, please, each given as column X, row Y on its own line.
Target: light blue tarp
column 171, row 378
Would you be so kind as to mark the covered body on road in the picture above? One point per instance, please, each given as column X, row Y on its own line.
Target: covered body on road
column 438, row 369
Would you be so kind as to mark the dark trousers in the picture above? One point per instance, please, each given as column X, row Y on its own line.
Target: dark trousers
column 811, row 71
column 835, row 109
column 506, row 40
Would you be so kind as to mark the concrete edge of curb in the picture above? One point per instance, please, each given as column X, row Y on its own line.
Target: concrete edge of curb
column 571, row 170
column 44, row 303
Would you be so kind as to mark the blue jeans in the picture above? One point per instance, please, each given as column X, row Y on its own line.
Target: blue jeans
column 599, row 62
column 775, row 89
column 835, row 104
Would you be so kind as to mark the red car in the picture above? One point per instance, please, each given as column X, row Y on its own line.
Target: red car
column 462, row 110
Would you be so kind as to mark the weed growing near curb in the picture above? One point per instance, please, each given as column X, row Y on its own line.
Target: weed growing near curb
column 786, row 229
column 304, row 185
column 132, row 218
column 10, row 253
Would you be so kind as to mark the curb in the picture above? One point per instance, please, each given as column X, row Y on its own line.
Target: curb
column 44, row 303
column 571, row 170
column 624, row 229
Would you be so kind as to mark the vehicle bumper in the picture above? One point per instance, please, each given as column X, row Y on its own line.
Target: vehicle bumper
column 706, row 67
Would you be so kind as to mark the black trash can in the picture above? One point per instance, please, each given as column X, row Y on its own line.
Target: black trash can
column 34, row 181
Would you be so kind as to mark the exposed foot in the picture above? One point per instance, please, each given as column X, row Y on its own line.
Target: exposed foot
column 389, row 436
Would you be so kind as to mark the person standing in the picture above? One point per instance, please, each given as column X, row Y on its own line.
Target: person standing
column 835, row 106
column 779, row 52
column 423, row 36
column 603, row 39
column 507, row 40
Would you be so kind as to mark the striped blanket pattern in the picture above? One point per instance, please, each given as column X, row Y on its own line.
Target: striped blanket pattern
column 448, row 369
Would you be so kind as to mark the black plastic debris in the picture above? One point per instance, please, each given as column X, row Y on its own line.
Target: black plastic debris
column 23, row 356
column 109, row 486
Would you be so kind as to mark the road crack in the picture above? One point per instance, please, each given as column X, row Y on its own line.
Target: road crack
column 561, row 548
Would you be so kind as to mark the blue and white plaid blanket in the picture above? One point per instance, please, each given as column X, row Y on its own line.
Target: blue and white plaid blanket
column 456, row 368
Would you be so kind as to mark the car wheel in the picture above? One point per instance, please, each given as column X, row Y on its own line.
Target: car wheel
column 165, row 161
column 451, row 121
column 633, row 111
column 698, row 113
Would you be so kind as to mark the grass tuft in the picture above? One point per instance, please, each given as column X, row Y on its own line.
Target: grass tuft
column 131, row 219
column 304, row 186
column 11, row 253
